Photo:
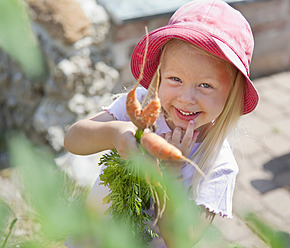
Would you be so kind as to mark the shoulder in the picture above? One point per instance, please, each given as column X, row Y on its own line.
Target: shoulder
column 225, row 161
column 216, row 193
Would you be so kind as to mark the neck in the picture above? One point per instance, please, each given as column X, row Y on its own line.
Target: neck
column 203, row 131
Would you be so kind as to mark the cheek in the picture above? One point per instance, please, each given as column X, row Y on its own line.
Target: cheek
column 163, row 95
column 164, row 100
column 218, row 105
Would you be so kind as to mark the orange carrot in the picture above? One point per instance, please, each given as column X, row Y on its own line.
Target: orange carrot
column 160, row 148
column 134, row 109
column 147, row 117
column 142, row 118
column 151, row 112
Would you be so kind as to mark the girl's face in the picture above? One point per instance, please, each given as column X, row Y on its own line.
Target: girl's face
column 194, row 86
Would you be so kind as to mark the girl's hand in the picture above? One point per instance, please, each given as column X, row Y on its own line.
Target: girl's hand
column 124, row 138
column 183, row 140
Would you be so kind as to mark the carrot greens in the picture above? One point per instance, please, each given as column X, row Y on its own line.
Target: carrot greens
column 130, row 195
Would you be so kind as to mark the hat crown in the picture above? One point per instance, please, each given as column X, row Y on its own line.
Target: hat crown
column 222, row 22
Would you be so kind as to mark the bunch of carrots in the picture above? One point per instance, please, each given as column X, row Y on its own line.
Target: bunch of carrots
column 145, row 118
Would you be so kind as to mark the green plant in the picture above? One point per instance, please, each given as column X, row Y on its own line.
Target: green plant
column 55, row 213
column 129, row 195
column 271, row 236
column 9, row 233
column 17, row 38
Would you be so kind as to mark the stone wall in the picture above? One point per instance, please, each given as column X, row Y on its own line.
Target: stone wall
column 79, row 80
column 270, row 22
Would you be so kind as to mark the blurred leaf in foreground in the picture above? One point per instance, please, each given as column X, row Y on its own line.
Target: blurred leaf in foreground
column 43, row 184
column 4, row 215
column 17, row 38
column 184, row 213
column 274, row 238
column 58, row 216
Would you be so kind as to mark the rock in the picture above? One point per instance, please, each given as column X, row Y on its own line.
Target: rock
column 98, row 18
column 51, row 112
column 63, row 19
column 84, row 169
column 55, row 137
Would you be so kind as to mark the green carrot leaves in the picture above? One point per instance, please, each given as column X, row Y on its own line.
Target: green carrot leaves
column 130, row 195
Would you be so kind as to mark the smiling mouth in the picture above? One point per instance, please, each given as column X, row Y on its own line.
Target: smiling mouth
column 187, row 113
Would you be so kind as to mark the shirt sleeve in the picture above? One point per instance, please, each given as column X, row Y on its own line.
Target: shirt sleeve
column 118, row 107
column 216, row 194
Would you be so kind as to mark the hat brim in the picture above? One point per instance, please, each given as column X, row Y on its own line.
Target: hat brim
column 159, row 37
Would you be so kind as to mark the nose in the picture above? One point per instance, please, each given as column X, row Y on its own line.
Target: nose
column 188, row 94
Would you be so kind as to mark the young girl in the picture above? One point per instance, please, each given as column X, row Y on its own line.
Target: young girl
column 201, row 59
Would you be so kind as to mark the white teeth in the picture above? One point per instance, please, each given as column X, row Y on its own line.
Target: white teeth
column 187, row 113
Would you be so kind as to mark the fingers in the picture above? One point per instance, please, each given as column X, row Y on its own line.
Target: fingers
column 168, row 136
column 128, row 146
column 125, row 141
column 177, row 136
column 184, row 140
column 188, row 136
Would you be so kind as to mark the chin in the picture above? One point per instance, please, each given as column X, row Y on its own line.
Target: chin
column 182, row 125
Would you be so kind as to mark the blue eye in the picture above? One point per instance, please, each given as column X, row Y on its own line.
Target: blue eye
column 176, row 79
column 205, row 85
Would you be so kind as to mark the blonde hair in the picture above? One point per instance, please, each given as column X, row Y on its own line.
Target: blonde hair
column 209, row 148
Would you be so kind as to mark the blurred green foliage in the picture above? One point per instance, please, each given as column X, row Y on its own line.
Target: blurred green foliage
column 4, row 213
column 45, row 190
column 271, row 236
column 60, row 211
column 17, row 38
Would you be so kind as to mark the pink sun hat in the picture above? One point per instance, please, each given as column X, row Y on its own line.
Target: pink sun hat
column 212, row 25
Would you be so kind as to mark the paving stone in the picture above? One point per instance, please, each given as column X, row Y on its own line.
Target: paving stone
column 282, row 80
column 254, row 126
column 213, row 238
column 236, row 231
column 260, row 159
column 278, row 202
column 273, row 221
column 277, row 97
column 249, row 145
column 277, row 144
column 269, row 111
column 249, row 180
column 263, row 84
column 282, row 127
column 245, row 201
